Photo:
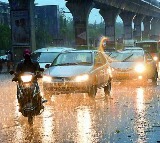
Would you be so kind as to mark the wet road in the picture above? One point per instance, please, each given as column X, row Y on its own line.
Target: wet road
column 130, row 115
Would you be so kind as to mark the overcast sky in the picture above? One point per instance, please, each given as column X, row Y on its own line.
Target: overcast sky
column 94, row 15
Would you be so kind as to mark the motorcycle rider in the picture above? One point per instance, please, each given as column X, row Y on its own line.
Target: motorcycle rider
column 27, row 65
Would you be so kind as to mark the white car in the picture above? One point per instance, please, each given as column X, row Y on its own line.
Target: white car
column 47, row 55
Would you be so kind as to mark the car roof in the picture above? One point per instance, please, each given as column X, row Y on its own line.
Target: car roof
column 85, row 50
column 53, row 49
column 133, row 48
column 133, row 51
column 147, row 41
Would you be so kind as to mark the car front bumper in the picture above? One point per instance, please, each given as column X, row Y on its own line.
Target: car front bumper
column 128, row 76
column 67, row 87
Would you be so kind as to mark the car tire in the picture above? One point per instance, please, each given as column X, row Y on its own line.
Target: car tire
column 92, row 91
column 107, row 89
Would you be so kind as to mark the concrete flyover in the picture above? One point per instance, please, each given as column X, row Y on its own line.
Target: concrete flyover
column 131, row 11
column 136, row 11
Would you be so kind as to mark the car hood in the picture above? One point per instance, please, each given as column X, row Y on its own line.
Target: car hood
column 67, row 71
column 123, row 65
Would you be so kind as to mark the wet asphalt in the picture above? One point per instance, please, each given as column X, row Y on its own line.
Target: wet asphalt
column 131, row 114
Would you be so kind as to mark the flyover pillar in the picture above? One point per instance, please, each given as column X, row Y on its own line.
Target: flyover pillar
column 155, row 29
column 109, row 15
column 127, row 18
column 147, row 29
column 80, row 11
column 137, row 20
column 22, row 27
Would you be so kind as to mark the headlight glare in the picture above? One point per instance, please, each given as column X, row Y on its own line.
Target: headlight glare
column 139, row 68
column 26, row 78
column 82, row 78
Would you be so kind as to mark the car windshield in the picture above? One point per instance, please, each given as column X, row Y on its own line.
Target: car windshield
column 44, row 57
column 73, row 58
column 128, row 57
column 113, row 54
column 110, row 50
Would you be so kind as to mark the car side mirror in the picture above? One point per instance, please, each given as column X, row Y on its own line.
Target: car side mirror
column 11, row 72
column 47, row 65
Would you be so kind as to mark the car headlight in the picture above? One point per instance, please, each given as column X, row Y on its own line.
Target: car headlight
column 47, row 78
column 155, row 58
column 26, row 78
column 139, row 68
column 82, row 78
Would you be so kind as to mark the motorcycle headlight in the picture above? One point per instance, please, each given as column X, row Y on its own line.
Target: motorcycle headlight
column 82, row 78
column 47, row 78
column 26, row 78
column 139, row 68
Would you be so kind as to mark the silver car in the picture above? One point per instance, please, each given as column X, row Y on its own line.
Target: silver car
column 133, row 65
column 81, row 71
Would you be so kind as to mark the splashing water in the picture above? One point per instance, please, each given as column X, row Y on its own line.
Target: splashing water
column 102, row 43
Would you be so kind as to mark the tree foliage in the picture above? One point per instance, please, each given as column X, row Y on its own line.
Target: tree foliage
column 5, row 37
column 43, row 38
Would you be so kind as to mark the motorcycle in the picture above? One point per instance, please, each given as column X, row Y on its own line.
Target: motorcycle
column 28, row 94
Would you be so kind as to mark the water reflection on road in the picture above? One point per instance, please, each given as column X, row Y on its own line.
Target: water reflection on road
column 125, row 116
column 141, row 122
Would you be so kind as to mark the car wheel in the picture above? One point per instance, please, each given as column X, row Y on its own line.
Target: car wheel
column 92, row 91
column 107, row 89
column 154, row 79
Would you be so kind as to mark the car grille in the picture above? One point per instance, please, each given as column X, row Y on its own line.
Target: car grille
column 125, row 74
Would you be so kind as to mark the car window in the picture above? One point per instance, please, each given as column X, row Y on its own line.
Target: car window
column 44, row 57
column 79, row 58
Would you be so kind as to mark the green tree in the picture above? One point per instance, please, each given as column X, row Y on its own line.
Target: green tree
column 43, row 38
column 66, row 28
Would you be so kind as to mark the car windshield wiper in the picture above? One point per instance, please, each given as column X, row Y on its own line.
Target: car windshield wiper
column 83, row 63
column 110, row 54
column 127, row 58
column 64, row 64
